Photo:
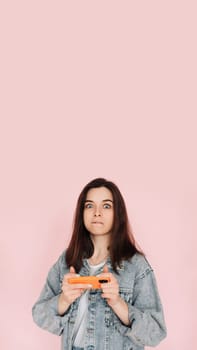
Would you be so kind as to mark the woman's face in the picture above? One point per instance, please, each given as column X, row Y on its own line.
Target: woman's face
column 98, row 214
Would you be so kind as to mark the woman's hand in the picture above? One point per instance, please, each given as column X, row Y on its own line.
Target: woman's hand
column 111, row 289
column 70, row 292
column 111, row 294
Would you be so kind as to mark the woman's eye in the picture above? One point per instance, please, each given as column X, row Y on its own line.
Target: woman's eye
column 88, row 206
column 107, row 206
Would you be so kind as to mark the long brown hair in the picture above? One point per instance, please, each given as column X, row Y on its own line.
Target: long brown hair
column 122, row 243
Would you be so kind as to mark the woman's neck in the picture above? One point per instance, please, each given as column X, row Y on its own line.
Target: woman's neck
column 101, row 251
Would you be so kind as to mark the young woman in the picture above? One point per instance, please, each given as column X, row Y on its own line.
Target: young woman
column 123, row 314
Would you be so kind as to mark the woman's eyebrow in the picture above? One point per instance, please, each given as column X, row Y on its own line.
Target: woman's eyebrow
column 104, row 200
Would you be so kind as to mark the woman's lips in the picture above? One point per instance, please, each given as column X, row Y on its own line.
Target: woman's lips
column 97, row 223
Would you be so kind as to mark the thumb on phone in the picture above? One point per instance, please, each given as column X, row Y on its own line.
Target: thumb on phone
column 72, row 269
column 105, row 269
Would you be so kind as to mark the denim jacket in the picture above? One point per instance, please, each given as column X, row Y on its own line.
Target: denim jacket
column 105, row 331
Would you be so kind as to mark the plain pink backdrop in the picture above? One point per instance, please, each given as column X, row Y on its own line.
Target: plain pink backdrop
column 88, row 89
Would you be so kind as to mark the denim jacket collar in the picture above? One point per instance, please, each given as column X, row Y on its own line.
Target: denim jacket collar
column 85, row 268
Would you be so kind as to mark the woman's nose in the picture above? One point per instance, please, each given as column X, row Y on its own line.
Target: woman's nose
column 97, row 212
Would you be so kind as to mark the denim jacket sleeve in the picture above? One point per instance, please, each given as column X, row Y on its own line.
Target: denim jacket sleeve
column 145, row 311
column 45, row 310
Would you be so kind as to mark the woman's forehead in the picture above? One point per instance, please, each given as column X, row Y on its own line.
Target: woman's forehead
column 99, row 194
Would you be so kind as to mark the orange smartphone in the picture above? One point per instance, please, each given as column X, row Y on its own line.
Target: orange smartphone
column 93, row 280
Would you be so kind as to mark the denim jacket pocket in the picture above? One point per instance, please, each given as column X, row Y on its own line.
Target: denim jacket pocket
column 126, row 294
column 111, row 320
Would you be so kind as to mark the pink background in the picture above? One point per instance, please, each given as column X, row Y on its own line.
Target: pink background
column 97, row 88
